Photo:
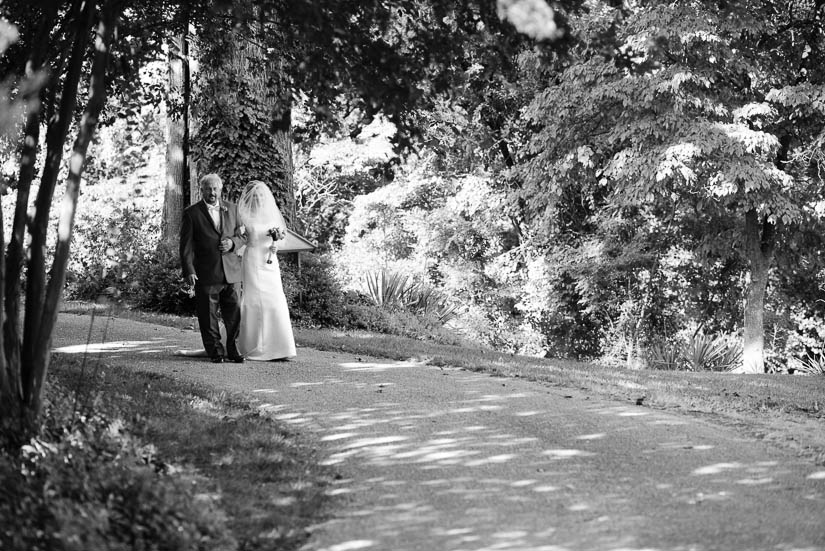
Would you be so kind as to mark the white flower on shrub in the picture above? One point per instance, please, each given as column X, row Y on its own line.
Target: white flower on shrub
column 531, row 17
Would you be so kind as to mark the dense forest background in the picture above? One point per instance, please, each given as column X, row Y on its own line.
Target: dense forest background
column 635, row 182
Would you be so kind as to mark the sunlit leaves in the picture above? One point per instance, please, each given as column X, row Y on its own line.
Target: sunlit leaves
column 534, row 18
column 704, row 113
column 805, row 97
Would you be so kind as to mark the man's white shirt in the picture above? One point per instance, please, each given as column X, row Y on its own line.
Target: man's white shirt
column 215, row 214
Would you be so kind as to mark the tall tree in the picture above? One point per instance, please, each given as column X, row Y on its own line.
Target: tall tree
column 83, row 48
column 244, row 103
column 344, row 61
column 27, row 355
column 709, row 120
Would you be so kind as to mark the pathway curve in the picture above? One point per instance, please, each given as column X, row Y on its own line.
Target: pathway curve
column 447, row 460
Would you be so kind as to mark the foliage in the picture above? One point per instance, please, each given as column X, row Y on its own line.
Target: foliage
column 702, row 352
column 647, row 164
column 87, row 483
column 316, row 297
column 361, row 313
column 449, row 236
column 664, row 355
column 156, row 284
column 394, row 291
column 698, row 352
column 428, row 301
column 332, row 173
column 811, row 364
column 108, row 247
column 388, row 289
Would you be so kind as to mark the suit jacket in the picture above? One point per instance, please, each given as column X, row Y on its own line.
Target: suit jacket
column 199, row 240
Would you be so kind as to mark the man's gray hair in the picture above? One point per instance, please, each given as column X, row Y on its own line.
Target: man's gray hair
column 209, row 179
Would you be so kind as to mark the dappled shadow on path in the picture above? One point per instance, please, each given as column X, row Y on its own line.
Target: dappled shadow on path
column 480, row 464
column 447, row 460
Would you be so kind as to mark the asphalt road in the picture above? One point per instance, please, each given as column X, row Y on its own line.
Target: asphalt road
column 446, row 460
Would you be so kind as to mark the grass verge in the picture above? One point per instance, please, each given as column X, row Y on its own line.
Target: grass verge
column 266, row 481
column 789, row 410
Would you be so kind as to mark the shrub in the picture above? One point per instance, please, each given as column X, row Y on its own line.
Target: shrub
column 86, row 483
column 702, row 352
column 813, row 363
column 361, row 314
column 699, row 352
column 157, row 284
column 106, row 251
column 389, row 289
column 664, row 355
column 313, row 292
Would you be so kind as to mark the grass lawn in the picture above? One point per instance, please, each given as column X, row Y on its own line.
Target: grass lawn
column 268, row 482
column 786, row 409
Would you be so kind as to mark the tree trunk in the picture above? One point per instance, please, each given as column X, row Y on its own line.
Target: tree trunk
column 37, row 339
column 31, row 372
column 11, row 264
column 759, row 247
column 245, row 127
column 175, row 197
column 282, row 131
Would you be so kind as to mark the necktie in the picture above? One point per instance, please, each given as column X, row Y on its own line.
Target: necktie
column 215, row 214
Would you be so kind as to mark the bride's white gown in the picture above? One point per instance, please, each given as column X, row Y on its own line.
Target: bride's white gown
column 265, row 332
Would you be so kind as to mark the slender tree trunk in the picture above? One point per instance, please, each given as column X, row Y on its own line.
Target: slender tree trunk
column 56, row 133
column 11, row 264
column 41, row 338
column 759, row 246
column 8, row 388
column 177, row 150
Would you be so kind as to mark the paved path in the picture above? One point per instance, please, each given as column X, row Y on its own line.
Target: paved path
column 447, row 460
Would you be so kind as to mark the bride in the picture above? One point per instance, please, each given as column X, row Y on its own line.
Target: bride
column 265, row 331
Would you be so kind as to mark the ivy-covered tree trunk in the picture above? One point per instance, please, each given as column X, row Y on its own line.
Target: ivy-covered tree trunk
column 244, row 127
column 176, row 194
column 759, row 246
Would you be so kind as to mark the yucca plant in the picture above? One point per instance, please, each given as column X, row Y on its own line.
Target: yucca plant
column 664, row 355
column 705, row 353
column 388, row 289
column 429, row 301
column 811, row 364
column 732, row 357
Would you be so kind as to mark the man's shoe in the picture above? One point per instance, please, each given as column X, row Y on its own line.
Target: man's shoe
column 236, row 359
column 217, row 359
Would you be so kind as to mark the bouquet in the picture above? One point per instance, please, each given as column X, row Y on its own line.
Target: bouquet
column 276, row 234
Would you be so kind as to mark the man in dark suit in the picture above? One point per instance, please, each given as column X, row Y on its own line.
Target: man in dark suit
column 209, row 239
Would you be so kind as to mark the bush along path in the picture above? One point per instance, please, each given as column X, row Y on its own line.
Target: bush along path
column 135, row 459
column 442, row 458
